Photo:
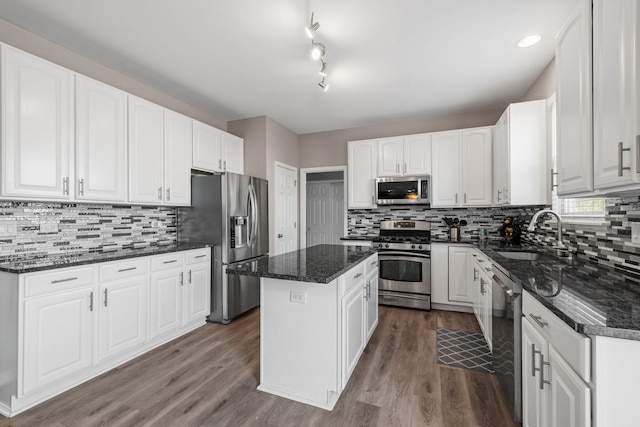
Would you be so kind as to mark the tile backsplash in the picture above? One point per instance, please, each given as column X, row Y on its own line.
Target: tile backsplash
column 34, row 229
column 607, row 244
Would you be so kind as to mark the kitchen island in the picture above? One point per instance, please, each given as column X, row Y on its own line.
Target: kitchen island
column 318, row 311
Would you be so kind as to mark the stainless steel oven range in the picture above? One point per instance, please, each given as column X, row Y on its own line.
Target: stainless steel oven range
column 404, row 256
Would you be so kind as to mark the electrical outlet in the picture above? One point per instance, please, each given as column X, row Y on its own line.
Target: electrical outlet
column 635, row 232
column 298, row 297
column 8, row 227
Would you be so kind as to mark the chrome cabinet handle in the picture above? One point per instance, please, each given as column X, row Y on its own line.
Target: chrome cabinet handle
column 405, row 168
column 189, row 277
column 105, row 297
column 621, row 149
column 533, row 360
column 181, row 278
column 225, row 165
column 374, row 262
column 499, row 196
column 170, row 261
column 81, row 186
column 65, row 185
column 122, row 270
column 538, row 320
column 159, row 193
column 552, row 184
column 200, row 256
column 368, row 291
column 456, row 197
column 64, row 280
column 168, row 194
column 542, row 365
column 91, row 301
column 220, row 164
column 357, row 276
column 475, row 274
column 465, row 197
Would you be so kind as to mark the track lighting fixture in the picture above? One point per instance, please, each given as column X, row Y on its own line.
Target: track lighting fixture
column 312, row 28
column 323, row 70
column 324, row 85
column 317, row 50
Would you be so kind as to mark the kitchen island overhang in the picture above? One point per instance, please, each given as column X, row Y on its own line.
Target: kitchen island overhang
column 313, row 319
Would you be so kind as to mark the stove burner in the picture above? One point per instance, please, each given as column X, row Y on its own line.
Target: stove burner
column 404, row 235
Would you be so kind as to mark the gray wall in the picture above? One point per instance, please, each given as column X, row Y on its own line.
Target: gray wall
column 254, row 132
column 29, row 42
column 544, row 86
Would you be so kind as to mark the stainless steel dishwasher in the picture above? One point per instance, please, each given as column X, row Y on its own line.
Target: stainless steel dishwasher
column 507, row 339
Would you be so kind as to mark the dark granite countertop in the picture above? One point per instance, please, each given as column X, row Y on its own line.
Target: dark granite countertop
column 317, row 264
column 30, row 265
column 367, row 238
column 592, row 299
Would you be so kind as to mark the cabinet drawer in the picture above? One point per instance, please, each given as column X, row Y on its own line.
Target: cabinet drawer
column 371, row 264
column 575, row 348
column 123, row 269
column 57, row 280
column 353, row 277
column 166, row 262
column 200, row 255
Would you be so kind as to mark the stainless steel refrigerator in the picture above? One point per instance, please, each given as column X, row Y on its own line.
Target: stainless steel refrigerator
column 228, row 211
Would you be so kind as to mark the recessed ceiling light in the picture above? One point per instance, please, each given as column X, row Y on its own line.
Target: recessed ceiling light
column 529, row 40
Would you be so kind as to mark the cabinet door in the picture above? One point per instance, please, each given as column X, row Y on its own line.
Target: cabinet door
column 417, row 154
column 574, row 149
column 101, row 141
column 165, row 299
column 122, row 320
column 476, row 293
column 371, row 294
column 146, row 162
column 37, row 126
column 534, row 351
column 486, row 285
column 501, row 160
column 177, row 158
column 58, row 337
column 476, row 167
column 459, row 289
column 390, row 157
column 233, row 160
column 353, row 331
column 615, row 36
column 197, row 293
column 207, row 148
column 570, row 396
column 361, row 171
column 445, row 182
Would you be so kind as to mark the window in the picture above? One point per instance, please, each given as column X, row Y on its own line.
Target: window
column 588, row 209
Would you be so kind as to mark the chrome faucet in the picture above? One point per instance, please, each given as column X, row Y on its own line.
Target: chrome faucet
column 562, row 248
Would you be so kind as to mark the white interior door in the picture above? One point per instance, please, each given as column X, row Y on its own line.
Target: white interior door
column 325, row 211
column 286, row 202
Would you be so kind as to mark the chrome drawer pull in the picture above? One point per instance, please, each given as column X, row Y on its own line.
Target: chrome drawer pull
column 533, row 360
column 64, row 280
column 357, row 276
column 538, row 320
column 200, row 256
column 542, row 365
column 169, row 262
column 621, row 149
column 105, row 297
column 126, row 269
column 91, row 301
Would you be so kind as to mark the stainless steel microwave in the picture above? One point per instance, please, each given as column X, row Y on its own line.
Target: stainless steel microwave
column 404, row 190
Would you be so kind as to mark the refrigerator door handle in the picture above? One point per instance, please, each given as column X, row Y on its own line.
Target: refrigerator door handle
column 254, row 215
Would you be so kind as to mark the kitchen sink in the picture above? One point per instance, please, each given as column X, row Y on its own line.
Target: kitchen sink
column 526, row 256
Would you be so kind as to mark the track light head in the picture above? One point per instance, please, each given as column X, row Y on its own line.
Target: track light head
column 312, row 27
column 317, row 50
column 324, row 85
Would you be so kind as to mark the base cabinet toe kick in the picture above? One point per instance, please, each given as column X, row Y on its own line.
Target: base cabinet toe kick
column 313, row 334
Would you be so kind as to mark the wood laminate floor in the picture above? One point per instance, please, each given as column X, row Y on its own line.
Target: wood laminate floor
column 209, row 378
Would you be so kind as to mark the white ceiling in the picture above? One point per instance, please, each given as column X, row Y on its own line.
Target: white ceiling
column 388, row 59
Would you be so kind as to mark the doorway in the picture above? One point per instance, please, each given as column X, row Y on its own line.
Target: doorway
column 286, row 212
column 323, row 202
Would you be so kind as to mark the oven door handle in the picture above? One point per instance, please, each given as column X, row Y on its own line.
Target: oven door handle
column 404, row 254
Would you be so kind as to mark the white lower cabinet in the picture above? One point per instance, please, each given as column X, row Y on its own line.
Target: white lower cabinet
column 122, row 316
column 371, row 297
column 58, row 337
column 353, row 331
column 79, row 322
column 459, row 289
column 556, row 369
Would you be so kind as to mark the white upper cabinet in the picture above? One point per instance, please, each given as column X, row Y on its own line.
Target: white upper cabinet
column 616, row 97
column 520, row 168
column 233, row 153
column 101, row 141
column 573, row 103
column 361, row 173
column 404, row 155
column 391, row 157
column 476, row 167
column 37, row 127
column 216, row 151
column 177, row 158
column 145, row 151
column 461, row 163
column 445, row 183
